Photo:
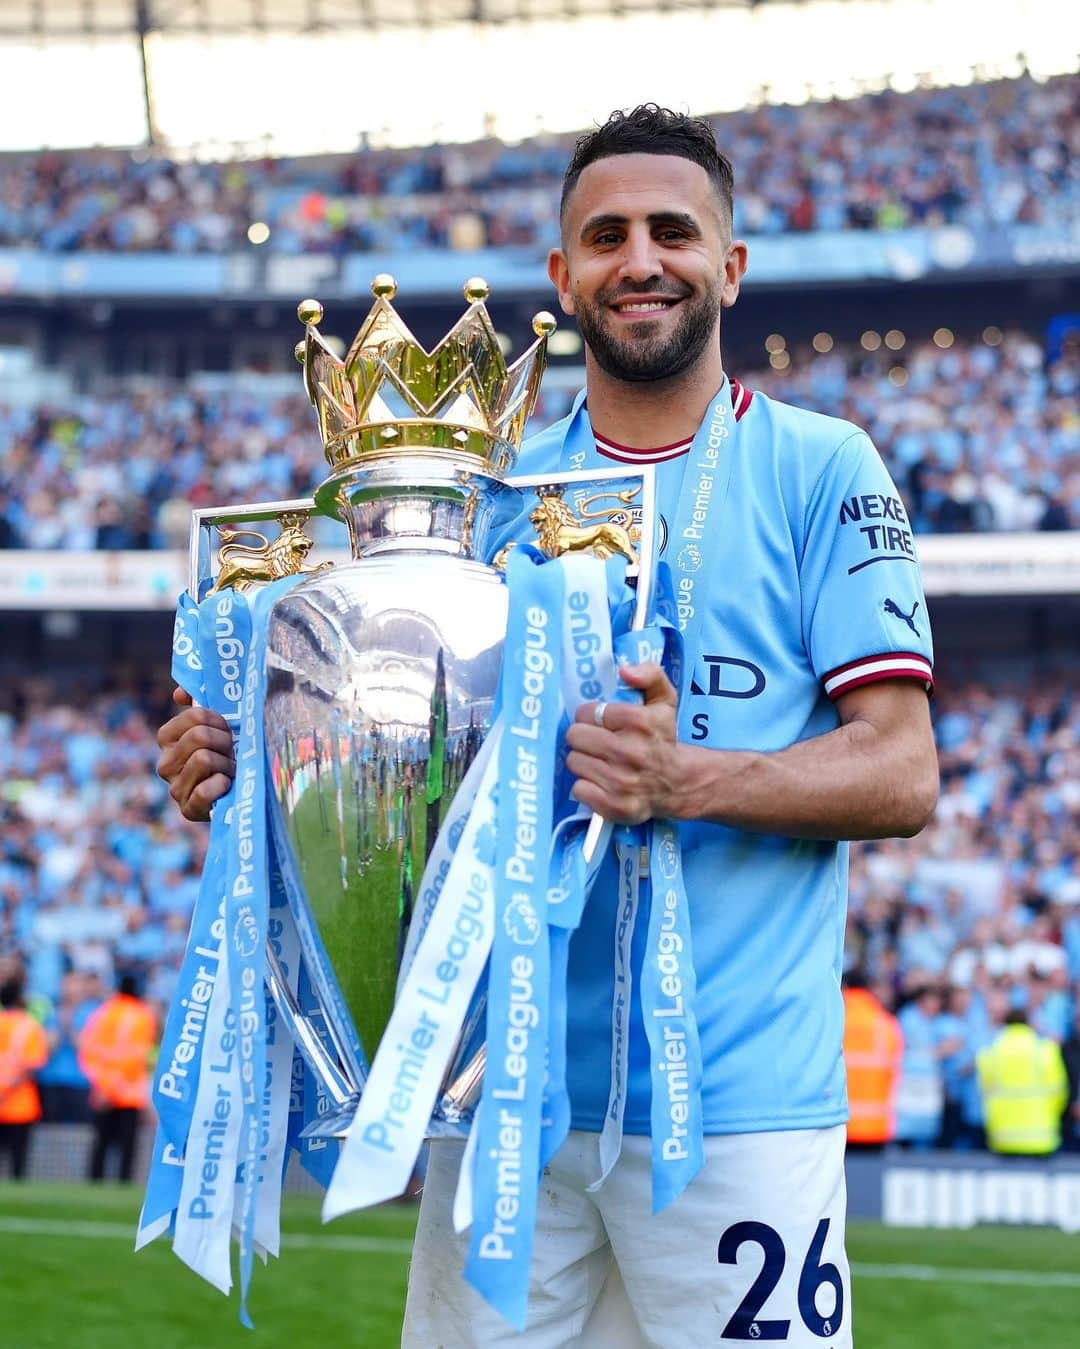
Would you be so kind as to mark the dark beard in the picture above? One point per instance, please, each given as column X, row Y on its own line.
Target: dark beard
column 636, row 359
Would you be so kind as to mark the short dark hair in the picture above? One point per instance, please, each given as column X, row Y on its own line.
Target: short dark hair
column 649, row 129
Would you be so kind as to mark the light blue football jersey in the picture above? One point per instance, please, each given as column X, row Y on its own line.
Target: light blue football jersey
column 815, row 590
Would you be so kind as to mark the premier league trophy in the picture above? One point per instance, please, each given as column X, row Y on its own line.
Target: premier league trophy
column 381, row 674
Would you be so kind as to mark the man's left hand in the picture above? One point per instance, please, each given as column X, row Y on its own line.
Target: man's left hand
column 626, row 769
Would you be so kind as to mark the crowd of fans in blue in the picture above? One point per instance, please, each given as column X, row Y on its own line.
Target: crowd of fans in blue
column 978, row 915
column 977, row 437
column 982, row 155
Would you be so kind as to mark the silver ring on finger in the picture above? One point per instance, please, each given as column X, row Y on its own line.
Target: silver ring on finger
column 598, row 713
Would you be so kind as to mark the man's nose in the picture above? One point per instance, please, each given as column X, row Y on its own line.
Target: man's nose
column 641, row 260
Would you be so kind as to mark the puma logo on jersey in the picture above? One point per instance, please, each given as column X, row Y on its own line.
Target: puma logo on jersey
column 891, row 607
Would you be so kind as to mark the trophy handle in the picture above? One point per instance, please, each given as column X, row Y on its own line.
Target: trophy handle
column 461, row 1096
column 303, row 1033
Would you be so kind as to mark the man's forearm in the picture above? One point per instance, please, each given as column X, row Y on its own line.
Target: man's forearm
column 845, row 784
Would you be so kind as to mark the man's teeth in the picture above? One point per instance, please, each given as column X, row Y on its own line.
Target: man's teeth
column 644, row 308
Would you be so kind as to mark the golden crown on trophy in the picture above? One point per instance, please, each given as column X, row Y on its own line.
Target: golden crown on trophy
column 390, row 395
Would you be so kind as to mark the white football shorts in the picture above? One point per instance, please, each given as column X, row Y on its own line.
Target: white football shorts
column 753, row 1250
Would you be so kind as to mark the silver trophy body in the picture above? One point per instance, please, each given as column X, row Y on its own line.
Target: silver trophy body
column 381, row 681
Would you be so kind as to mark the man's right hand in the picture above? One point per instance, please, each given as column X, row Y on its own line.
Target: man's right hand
column 196, row 757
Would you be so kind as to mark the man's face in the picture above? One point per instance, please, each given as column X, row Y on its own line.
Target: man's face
column 646, row 265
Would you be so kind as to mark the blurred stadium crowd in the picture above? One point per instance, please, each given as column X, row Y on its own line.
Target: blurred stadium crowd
column 982, row 155
column 979, row 435
column 977, row 916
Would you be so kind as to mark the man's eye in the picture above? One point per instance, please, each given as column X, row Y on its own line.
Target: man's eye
column 609, row 237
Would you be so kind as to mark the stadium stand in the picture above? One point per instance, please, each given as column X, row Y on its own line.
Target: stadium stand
column 989, row 154
column 98, row 872
column 980, row 434
column 980, row 427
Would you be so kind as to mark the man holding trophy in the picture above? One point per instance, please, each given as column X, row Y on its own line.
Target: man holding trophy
column 796, row 720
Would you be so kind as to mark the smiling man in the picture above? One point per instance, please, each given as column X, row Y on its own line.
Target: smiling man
column 803, row 723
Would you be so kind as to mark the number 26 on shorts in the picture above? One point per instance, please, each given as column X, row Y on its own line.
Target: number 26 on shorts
column 745, row 1323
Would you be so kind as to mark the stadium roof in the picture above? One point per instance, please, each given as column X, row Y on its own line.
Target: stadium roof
column 43, row 19
column 228, row 78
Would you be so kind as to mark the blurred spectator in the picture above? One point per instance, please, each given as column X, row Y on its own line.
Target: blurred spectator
column 65, row 1088
column 920, row 1097
column 115, row 1052
column 967, row 1025
column 23, row 1050
column 1070, row 1118
column 873, row 1051
column 1024, row 1089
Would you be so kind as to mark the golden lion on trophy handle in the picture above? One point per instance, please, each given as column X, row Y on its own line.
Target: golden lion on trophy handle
column 558, row 531
column 244, row 565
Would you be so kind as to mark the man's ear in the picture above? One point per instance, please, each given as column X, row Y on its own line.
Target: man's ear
column 559, row 272
column 734, row 271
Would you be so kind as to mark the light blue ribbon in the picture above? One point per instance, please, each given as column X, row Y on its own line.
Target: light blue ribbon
column 210, row 644
column 186, row 661
column 509, row 1120
column 681, row 599
column 247, row 903
column 223, row 629
column 598, row 602
column 668, row 988
column 219, row 657
column 631, row 648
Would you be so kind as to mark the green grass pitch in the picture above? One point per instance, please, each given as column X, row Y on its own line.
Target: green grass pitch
column 70, row 1280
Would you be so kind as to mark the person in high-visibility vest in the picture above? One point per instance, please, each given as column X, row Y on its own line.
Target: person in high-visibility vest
column 24, row 1047
column 873, row 1049
column 115, row 1052
column 1024, row 1089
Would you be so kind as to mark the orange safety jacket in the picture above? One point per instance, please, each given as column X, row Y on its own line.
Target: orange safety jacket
column 873, row 1048
column 24, row 1046
column 115, row 1049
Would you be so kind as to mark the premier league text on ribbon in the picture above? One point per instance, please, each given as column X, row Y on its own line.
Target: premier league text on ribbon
column 673, row 1063
column 521, row 871
column 231, row 653
column 230, row 646
column 586, row 644
column 688, row 561
column 522, row 1019
column 173, row 1082
column 203, row 1205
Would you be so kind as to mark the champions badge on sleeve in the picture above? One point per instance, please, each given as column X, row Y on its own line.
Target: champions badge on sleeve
column 378, row 951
